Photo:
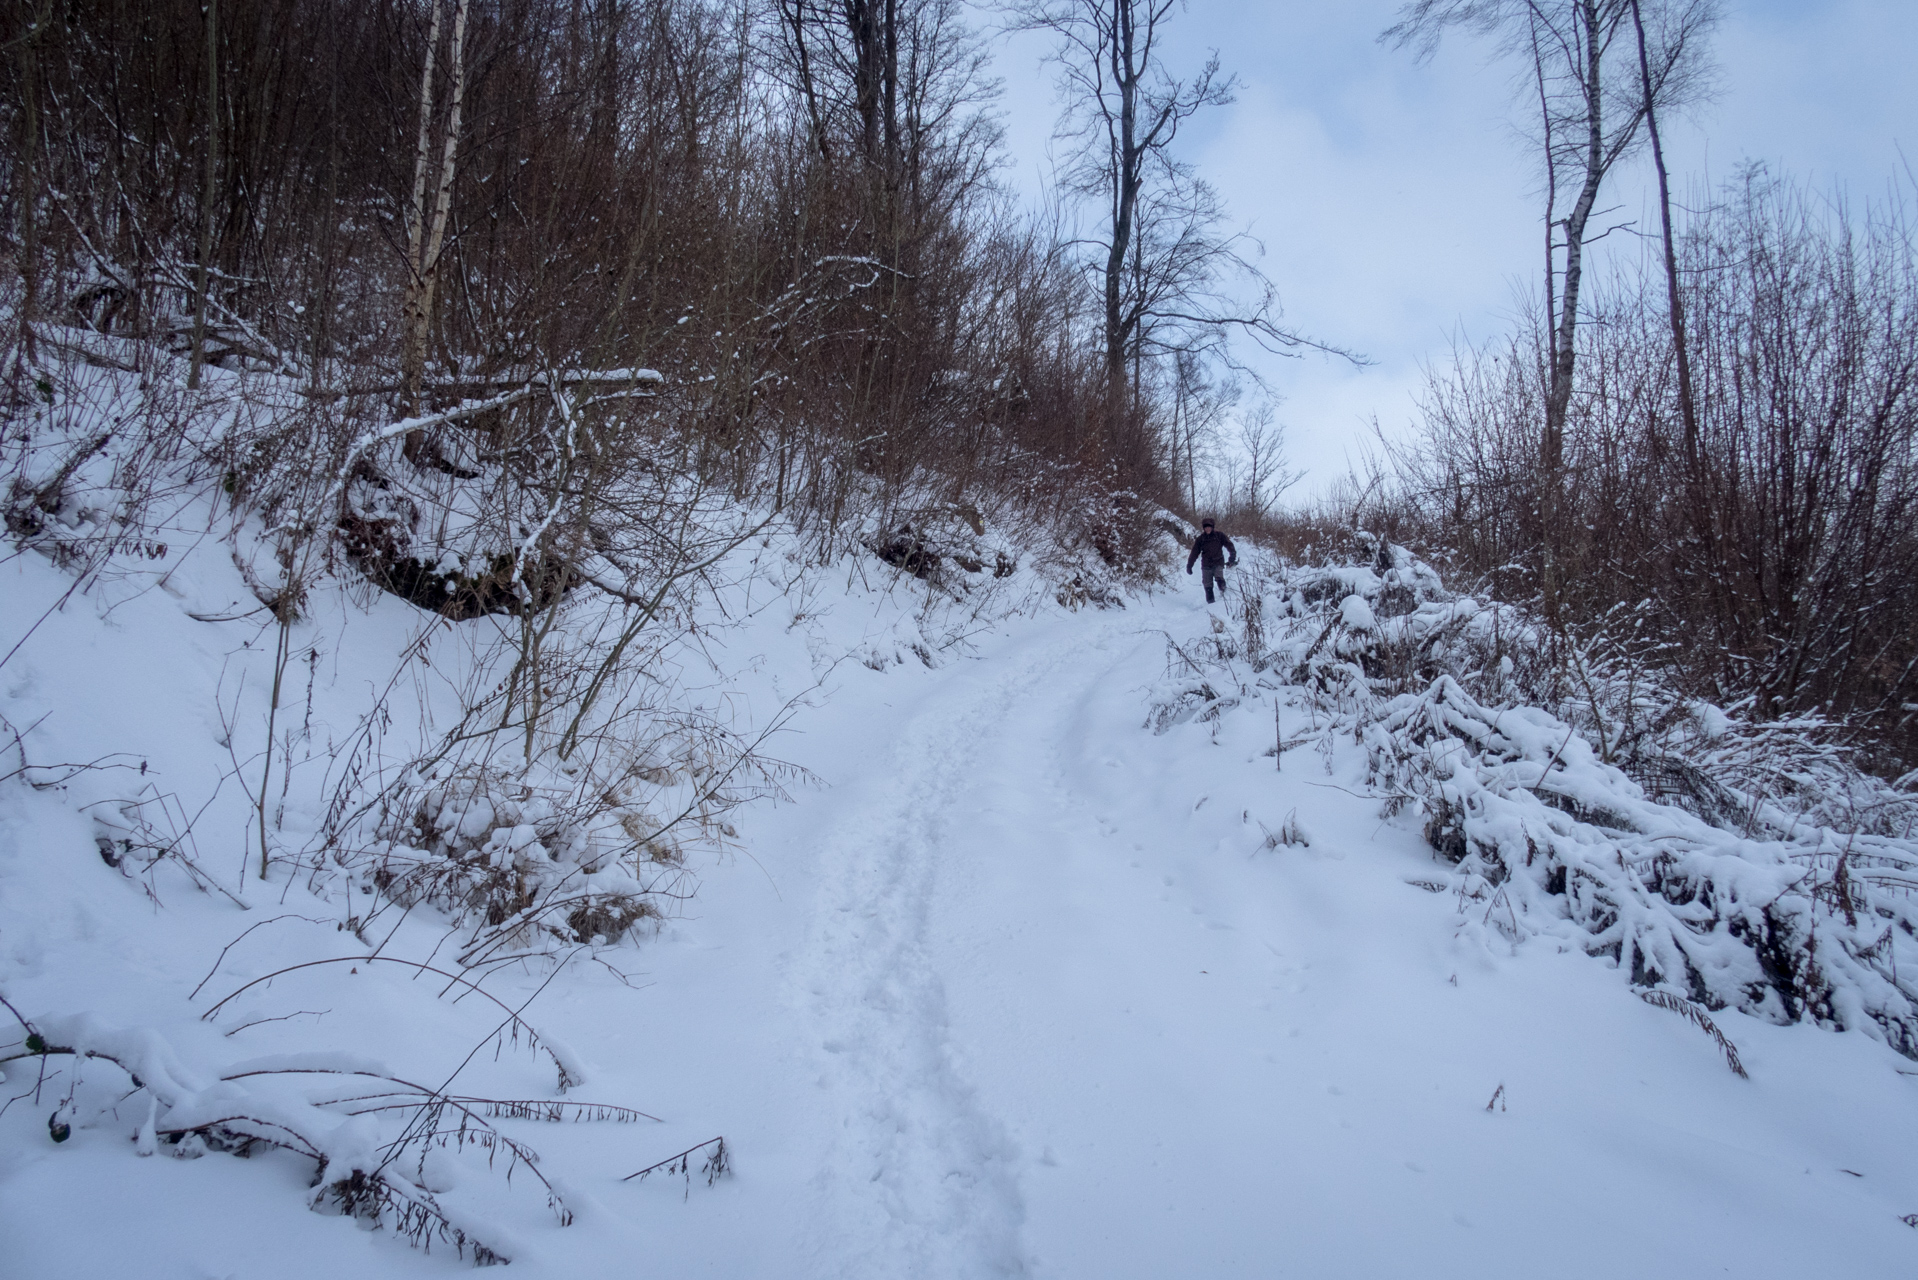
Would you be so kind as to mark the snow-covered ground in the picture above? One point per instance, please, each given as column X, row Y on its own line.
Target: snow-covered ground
column 1013, row 986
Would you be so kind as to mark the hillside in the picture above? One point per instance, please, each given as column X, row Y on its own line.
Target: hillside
column 595, row 675
column 1013, row 950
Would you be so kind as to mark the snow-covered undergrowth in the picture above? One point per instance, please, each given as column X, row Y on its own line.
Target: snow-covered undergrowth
column 243, row 756
column 292, row 868
column 1718, row 862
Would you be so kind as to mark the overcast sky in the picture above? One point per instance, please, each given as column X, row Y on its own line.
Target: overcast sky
column 1398, row 209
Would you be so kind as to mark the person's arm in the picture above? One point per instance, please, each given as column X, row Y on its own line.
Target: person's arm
column 1195, row 552
column 1234, row 551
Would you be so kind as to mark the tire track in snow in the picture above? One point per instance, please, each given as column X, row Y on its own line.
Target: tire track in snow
column 918, row 1180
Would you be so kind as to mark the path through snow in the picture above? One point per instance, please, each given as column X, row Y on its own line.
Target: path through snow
column 1020, row 989
column 917, row 1180
column 1052, row 1007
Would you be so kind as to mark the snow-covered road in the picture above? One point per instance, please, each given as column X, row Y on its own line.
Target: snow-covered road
column 1016, row 987
column 917, row 1176
column 1038, row 999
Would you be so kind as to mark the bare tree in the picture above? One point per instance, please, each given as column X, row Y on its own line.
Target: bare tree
column 796, row 18
column 1590, row 108
column 426, row 222
column 1169, row 276
column 1126, row 111
column 887, row 81
column 1264, row 472
column 1199, row 406
column 26, row 173
column 1694, row 18
column 845, row 54
column 209, row 197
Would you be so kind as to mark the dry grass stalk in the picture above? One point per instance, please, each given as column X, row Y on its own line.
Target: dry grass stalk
column 1699, row 1018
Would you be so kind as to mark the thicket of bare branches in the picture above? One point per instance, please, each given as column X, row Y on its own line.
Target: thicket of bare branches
column 410, row 206
column 1595, row 75
column 1774, row 565
column 534, row 311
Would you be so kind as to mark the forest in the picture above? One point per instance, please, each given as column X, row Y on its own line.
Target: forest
column 488, row 483
column 792, row 213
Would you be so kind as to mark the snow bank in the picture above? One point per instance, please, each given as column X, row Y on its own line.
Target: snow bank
column 1623, row 821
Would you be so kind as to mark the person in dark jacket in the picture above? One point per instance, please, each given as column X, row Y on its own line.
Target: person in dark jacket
column 1210, row 549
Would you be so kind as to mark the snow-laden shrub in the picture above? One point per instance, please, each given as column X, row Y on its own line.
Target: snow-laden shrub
column 1551, row 841
column 1191, row 688
column 1175, row 702
column 535, row 857
column 1719, row 861
column 945, row 545
column 485, row 846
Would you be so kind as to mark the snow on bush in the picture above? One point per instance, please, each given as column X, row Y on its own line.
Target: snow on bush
column 1717, row 860
column 528, row 857
column 505, row 771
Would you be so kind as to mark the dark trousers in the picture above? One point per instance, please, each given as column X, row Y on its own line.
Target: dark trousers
column 1211, row 573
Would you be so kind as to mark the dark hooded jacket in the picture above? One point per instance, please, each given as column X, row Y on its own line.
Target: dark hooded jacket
column 1211, row 547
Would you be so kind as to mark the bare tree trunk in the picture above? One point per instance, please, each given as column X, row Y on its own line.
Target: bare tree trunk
column 416, row 227
column 322, row 332
column 207, row 194
column 429, row 220
column 1182, row 436
column 29, row 173
column 868, row 73
column 1564, row 343
column 890, row 92
column 449, row 156
column 793, row 12
column 1551, row 208
column 1125, row 198
column 1687, row 403
column 1698, row 502
column 1564, row 354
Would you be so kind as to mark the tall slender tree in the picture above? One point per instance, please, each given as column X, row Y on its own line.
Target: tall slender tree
column 1168, row 276
column 426, row 222
column 209, row 196
column 1592, row 98
column 1694, row 21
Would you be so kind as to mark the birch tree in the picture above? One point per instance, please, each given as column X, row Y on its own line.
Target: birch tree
column 427, row 213
column 1582, row 71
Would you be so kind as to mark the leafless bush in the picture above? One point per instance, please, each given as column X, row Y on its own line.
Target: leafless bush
column 1768, row 567
column 529, row 854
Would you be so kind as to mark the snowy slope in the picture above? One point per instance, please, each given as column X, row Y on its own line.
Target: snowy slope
column 1014, row 986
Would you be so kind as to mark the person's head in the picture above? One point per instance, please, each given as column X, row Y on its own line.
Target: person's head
column 1205, row 524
